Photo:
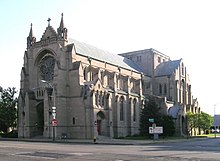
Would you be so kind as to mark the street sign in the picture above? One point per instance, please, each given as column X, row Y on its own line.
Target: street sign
column 151, row 130
column 54, row 122
column 156, row 130
column 151, row 120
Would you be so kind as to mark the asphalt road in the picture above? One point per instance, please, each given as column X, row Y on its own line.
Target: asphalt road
column 204, row 150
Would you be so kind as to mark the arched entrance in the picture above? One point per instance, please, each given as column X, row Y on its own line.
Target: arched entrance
column 100, row 119
column 40, row 119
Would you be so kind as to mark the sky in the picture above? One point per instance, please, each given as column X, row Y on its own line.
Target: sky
column 187, row 29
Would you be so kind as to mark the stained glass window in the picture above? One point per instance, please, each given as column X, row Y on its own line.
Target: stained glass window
column 46, row 67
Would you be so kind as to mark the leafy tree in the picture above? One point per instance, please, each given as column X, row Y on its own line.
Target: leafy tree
column 152, row 111
column 191, row 121
column 202, row 121
column 168, row 125
column 205, row 121
column 8, row 111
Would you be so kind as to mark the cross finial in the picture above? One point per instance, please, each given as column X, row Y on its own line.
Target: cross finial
column 62, row 14
column 48, row 21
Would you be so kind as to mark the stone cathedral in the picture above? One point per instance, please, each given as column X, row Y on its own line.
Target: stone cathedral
column 96, row 93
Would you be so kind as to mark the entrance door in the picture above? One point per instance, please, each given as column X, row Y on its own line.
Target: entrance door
column 40, row 119
column 99, row 127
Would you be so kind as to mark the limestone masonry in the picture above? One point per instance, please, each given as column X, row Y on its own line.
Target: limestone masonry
column 96, row 92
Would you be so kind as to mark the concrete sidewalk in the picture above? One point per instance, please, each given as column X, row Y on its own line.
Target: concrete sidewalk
column 102, row 140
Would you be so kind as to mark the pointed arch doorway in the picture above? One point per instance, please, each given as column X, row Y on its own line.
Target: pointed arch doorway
column 100, row 119
column 40, row 119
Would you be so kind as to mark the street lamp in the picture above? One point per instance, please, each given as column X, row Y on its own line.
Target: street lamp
column 214, row 120
column 54, row 122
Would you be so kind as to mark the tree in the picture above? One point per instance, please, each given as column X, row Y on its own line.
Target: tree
column 167, row 123
column 152, row 111
column 191, row 121
column 202, row 121
column 205, row 121
column 8, row 111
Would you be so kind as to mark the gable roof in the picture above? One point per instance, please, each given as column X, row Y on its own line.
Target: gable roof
column 102, row 55
column 167, row 68
column 49, row 32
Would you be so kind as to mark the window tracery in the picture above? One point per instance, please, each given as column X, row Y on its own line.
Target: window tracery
column 46, row 67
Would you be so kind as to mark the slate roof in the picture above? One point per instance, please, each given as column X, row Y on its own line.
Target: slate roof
column 167, row 68
column 102, row 55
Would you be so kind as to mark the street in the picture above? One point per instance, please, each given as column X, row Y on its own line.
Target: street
column 205, row 150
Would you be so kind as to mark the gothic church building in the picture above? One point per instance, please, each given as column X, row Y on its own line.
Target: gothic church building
column 95, row 92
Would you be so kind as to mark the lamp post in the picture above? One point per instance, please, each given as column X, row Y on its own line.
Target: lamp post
column 214, row 120
column 54, row 122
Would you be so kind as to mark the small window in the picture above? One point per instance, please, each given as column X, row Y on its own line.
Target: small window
column 138, row 58
column 100, row 99
column 182, row 69
column 103, row 100
column 159, row 59
column 121, row 86
column 96, row 98
column 74, row 121
column 122, row 109
column 134, row 110
column 160, row 88
column 84, row 74
column 165, row 88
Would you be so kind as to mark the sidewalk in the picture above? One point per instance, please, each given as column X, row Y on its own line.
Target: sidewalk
column 103, row 140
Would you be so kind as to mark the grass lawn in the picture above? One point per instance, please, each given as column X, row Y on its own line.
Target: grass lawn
column 212, row 135
column 151, row 137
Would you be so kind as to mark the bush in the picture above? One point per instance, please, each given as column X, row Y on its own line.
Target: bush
column 12, row 134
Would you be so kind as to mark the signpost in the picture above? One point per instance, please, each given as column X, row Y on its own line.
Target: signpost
column 151, row 120
column 156, row 130
column 54, row 122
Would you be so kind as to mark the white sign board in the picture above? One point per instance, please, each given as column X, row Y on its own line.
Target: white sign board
column 156, row 130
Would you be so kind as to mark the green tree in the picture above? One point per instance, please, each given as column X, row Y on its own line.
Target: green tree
column 167, row 123
column 152, row 111
column 205, row 121
column 202, row 121
column 8, row 111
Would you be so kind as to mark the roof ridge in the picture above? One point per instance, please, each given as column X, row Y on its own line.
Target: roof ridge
column 103, row 55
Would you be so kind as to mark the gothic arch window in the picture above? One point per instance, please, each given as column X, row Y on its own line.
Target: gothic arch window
column 134, row 109
column 100, row 99
column 122, row 108
column 85, row 73
column 96, row 98
column 183, row 90
column 165, row 89
column 160, row 88
column 103, row 100
column 46, row 68
column 182, row 66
